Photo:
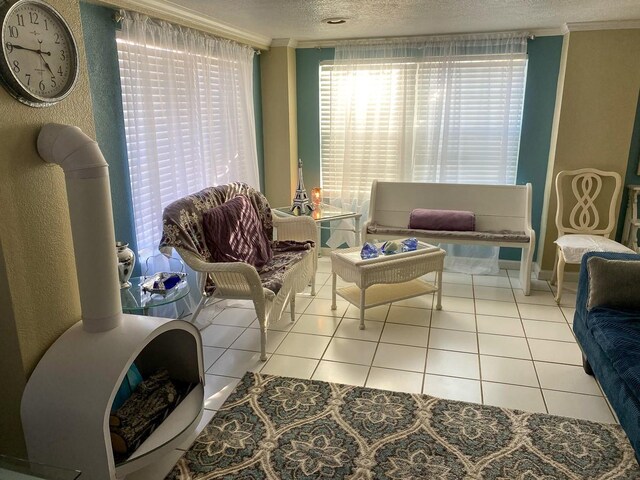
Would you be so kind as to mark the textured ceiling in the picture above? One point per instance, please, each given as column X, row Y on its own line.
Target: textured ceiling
column 301, row 19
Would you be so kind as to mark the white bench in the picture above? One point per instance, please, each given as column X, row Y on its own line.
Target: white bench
column 503, row 215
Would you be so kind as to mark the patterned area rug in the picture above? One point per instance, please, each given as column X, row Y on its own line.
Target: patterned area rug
column 283, row 428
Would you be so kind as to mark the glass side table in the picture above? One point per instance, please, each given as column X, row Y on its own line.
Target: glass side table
column 326, row 213
column 18, row 469
column 135, row 301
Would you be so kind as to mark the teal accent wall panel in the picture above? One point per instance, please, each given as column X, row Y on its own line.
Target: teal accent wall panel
column 106, row 95
column 308, row 96
column 632, row 177
column 537, row 119
column 257, row 109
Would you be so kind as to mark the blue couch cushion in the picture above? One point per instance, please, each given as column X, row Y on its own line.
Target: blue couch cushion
column 617, row 332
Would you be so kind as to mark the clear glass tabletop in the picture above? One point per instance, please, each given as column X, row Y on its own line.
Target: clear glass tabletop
column 18, row 469
column 321, row 213
column 134, row 300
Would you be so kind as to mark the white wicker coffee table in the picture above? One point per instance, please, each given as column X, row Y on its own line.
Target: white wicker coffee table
column 387, row 278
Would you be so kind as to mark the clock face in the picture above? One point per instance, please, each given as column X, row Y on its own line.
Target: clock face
column 39, row 56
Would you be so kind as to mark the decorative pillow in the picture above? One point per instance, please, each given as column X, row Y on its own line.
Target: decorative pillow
column 451, row 220
column 233, row 233
column 613, row 283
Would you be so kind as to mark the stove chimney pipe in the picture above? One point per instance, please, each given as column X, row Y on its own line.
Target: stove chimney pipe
column 89, row 196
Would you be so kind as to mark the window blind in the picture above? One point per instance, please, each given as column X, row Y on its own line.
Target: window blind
column 188, row 112
column 453, row 120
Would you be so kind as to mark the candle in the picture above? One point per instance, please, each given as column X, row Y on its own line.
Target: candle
column 316, row 195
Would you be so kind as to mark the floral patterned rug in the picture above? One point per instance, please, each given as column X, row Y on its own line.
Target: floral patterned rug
column 284, row 428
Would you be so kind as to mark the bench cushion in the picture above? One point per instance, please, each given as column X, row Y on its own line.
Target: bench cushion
column 507, row 236
column 446, row 220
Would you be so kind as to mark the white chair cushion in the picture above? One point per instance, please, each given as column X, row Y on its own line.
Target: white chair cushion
column 574, row 246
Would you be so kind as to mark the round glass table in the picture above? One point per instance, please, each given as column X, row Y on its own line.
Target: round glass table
column 134, row 300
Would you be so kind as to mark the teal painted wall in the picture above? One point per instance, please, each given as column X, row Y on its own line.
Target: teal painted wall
column 308, row 92
column 102, row 59
column 104, row 78
column 540, row 96
column 632, row 177
column 257, row 108
column 537, row 118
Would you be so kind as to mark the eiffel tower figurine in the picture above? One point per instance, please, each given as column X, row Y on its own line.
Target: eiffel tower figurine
column 301, row 200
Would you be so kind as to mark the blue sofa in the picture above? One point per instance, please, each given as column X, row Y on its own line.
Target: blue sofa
column 610, row 342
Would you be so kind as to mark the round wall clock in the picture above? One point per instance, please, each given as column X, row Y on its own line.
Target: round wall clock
column 39, row 60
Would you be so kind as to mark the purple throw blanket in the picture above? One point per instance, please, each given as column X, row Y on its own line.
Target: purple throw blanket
column 233, row 233
column 450, row 220
column 183, row 228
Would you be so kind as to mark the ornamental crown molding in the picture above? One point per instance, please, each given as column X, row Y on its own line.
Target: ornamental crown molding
column 284, row 42
column 171, row 12
column 607, row 25
column 539, row 32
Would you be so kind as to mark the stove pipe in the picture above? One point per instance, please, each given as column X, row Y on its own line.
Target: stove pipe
column 89, row 196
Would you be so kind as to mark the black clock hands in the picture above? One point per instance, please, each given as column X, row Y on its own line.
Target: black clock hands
column 47, row 65
column 44, row 61
column 39, row 52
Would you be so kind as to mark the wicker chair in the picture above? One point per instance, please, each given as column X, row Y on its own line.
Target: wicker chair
column 182, row 230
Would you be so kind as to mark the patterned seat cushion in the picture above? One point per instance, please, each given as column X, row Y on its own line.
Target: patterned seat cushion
column 285, row 256
column 444, row 235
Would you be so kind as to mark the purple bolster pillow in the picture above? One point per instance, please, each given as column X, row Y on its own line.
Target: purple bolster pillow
column 451, row 220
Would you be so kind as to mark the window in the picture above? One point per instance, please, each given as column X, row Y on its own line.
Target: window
column 189, row 120
column 454, row 120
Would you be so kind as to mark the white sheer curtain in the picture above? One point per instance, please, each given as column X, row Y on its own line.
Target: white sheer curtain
column 189, row 119
column 444, row 109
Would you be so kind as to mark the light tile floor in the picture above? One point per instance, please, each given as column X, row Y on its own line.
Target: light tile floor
column 489, row 344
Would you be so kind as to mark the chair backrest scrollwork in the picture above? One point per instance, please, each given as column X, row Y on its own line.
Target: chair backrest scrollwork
column 587, row 185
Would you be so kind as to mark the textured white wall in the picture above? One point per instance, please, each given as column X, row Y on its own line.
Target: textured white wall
column 37, row 277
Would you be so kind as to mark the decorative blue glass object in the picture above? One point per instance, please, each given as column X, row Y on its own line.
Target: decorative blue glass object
column 390, row 247
column 409, row 244
column 369, row 250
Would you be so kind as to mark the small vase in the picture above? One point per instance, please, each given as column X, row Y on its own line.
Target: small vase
column 126, row 261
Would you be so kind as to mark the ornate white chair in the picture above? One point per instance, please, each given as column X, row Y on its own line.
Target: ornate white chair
column 182, row 231
column 581, row 229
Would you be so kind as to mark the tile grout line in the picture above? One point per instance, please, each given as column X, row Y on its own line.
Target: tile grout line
column 245, row 329
column 475, row 316
column 386, row 322
column 225, row 348
column 535, row 369
column 287, row 332
column 375, row 352
column 329, row 343
column 426, row 356
column 290, row 330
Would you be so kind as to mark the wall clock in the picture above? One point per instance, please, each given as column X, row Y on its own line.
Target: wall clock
column 39, row 60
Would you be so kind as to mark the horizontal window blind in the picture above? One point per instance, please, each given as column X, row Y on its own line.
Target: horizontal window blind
column 188, row 114
column 454, row 120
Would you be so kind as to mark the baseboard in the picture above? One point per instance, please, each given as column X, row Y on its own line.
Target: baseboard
column 509, row 264
column 547, row 274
